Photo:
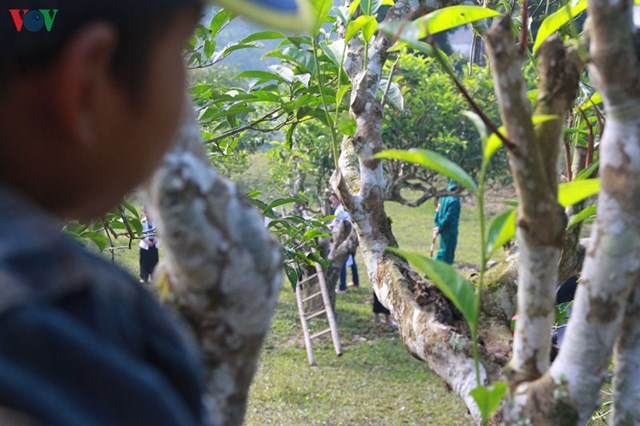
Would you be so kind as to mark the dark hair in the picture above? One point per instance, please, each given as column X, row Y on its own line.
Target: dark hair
column 139, row 24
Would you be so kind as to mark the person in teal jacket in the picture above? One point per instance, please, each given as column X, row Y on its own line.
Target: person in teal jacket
column 446, row 224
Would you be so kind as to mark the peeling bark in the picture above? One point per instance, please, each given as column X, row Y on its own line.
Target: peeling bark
column 222, row 267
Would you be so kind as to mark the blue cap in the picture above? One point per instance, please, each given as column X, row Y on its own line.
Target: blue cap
column 453, row 185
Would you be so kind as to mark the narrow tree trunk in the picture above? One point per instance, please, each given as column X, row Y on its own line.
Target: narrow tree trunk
column 221, row 266
column 533, row 159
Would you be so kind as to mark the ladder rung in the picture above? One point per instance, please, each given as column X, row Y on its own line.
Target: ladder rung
column 320, row 312
column 308, row 279
column 321, row 333
column 312, row 296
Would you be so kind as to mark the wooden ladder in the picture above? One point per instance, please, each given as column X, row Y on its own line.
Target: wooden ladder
column 326, row 310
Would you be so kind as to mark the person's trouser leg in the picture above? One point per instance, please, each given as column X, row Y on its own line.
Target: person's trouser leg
column 448, row 243
column 343, row 277
column 148, row 261
column 144, row 271
column 354, row 271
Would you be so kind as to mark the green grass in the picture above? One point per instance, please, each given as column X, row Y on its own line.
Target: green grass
column 375, row 381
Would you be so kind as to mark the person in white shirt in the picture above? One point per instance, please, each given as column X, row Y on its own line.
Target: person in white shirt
column 341, row 215
column 149, row 255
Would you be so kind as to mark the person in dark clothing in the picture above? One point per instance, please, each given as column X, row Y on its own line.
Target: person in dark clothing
column 446, row 224
column 149, row 255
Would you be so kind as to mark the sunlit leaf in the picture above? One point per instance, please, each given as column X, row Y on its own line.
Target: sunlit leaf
column 433, row 161
column 448, row 280
column 359, row 24
column 320, row 10
column 262, row 35
column 575, row 191
column 488, row 398
column 219, row 20
column 353, row 7
column 452, row 17
column 340, row 93
column 501, row 231
column 557, row 20
column 594, row 99
column 369, row 29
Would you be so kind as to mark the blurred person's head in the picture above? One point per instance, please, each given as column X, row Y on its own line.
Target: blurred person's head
column 334, row 201
column 91, row 96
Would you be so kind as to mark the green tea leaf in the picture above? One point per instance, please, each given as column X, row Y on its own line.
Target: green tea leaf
column 501, row 230
column 433, row 161
column 452, row 17
column 370, row 7
column 219, row 20
column 586, row 173
column 586, row 214
column 282, row 201
column 340, row 94
column 448, row 280
column 557, row 20
column 488, row 398
column 353, row 7
column 320, row 10
column 262, row 35
column 358, row 24
column 577, row 190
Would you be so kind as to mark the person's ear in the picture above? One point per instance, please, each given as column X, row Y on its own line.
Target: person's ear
column 82, row 72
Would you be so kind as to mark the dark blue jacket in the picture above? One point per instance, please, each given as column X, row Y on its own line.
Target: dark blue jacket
column 81, row 343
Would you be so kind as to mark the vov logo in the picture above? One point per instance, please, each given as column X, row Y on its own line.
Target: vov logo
column 33, row 20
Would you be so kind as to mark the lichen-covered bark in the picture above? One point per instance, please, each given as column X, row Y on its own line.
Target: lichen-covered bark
column 222, row 267
column 533, row 159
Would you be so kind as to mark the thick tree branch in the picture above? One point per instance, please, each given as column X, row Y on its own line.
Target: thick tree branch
column 222, row 266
